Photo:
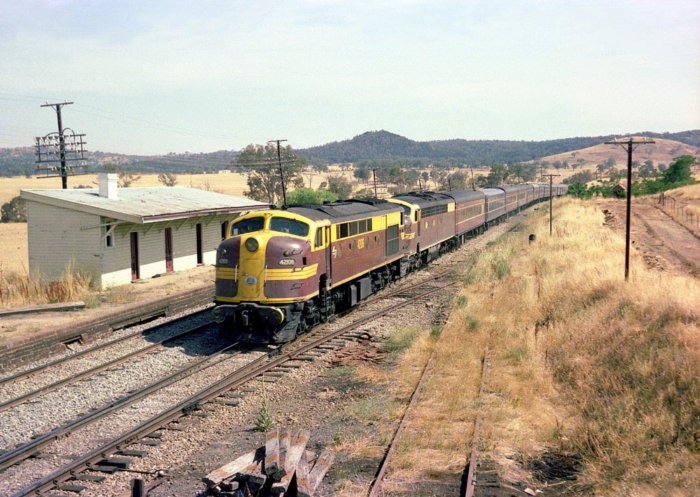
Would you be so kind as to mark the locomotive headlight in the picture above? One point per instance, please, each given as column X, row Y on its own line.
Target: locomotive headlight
column 251, row 244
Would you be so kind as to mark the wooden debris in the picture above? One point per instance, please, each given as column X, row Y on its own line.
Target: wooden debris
column 244, row 465
column 308, row 481
column 273, row 470
column 272, row 452
column 295, row 450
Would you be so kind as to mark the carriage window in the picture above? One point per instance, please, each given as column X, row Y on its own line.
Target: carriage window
column 291, row 226
column 247, row 225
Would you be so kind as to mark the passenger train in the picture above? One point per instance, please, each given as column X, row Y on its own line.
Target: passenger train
column 280, row 272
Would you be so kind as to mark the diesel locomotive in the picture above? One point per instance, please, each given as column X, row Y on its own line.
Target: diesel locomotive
column 280, row 272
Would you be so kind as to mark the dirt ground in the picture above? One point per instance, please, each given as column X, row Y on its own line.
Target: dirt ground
column 663, row 243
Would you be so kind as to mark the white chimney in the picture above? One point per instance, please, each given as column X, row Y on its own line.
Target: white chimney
column 108, row 185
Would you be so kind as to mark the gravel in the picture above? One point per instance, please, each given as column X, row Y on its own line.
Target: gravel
column 225, row 432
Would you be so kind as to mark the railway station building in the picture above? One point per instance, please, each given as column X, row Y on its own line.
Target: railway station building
column 120, row 235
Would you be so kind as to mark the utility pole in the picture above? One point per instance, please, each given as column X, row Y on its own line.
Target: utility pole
column 55, row 148
column 279, row 162
column 629, row 144
column 374, row 175
column 473, row 184
column 550, row 200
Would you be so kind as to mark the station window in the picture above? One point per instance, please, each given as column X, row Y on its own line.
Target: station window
column 109, row 241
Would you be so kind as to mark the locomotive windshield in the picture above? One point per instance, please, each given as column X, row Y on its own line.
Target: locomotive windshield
column 291, row 226
column 247, row 225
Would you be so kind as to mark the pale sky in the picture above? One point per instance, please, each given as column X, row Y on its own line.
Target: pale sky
column 155, row 76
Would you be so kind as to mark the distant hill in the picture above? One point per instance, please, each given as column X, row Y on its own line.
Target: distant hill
column 369, row 146
column 664, row 151
column 383, row 145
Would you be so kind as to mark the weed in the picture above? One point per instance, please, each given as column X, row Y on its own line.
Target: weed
column 92, row 301
column 340, row 372
column 500, row 266
column 435, row 331
column 461, row 301
column 472, row 323
column 264, row 420
column 338, row 438
column 516, row 354
column 401, row 340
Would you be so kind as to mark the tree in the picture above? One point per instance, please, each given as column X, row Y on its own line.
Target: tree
column 320, row 167
column 340, row 186
column 168, row 179
column 647, row 169
column 126, row 178
column 497, row 176
column 264, row 182
column 455, row 181
column 14, row 211
column 425, row 176
column 361, row 173
column 309, row 196
column 679, row 170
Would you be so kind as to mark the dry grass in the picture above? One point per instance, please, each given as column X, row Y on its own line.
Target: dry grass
column 683, row 205
column 583, row 361
column 662, row 151
column 14, row 254
column 21, row 288
column 228, row 183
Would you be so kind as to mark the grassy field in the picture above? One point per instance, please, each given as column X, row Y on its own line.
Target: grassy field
column 13, row 247
column 583, row 362
column 661, row 151
column 580, row 363
column 228, row 183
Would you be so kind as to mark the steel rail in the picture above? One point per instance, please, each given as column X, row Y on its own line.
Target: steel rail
column 376, row 484
column 470, row 483
column 246, row 373
column 90, row 372
column 27, row 449
column 36, row 369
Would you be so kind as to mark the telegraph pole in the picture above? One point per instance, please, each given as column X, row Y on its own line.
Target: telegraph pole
column 279, row 162
column 629, row 144
column 550, row 200
column 47, row 145
column 374, row 175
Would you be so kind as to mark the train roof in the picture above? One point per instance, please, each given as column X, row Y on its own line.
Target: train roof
column 492, row 192
column 520, row 187
column 424, row 199
column 465, row 195
column 346, row 209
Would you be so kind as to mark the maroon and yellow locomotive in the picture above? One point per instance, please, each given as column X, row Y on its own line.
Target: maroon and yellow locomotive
column 281, row 272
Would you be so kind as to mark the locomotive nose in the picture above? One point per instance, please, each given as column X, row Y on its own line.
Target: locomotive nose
column 252, row 268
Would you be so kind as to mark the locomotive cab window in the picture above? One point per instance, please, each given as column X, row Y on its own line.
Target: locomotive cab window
column 291, row 226
column 319, row 238
column 247, row 226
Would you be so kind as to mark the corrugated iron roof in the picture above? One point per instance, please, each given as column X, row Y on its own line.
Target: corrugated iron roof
column 145, row 205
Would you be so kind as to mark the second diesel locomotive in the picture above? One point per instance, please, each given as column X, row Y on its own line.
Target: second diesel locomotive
column 282, row 271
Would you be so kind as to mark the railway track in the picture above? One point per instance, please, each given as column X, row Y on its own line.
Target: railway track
column 104, row 457
column 82, row 375
column 316, row 342
column 55, row 363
